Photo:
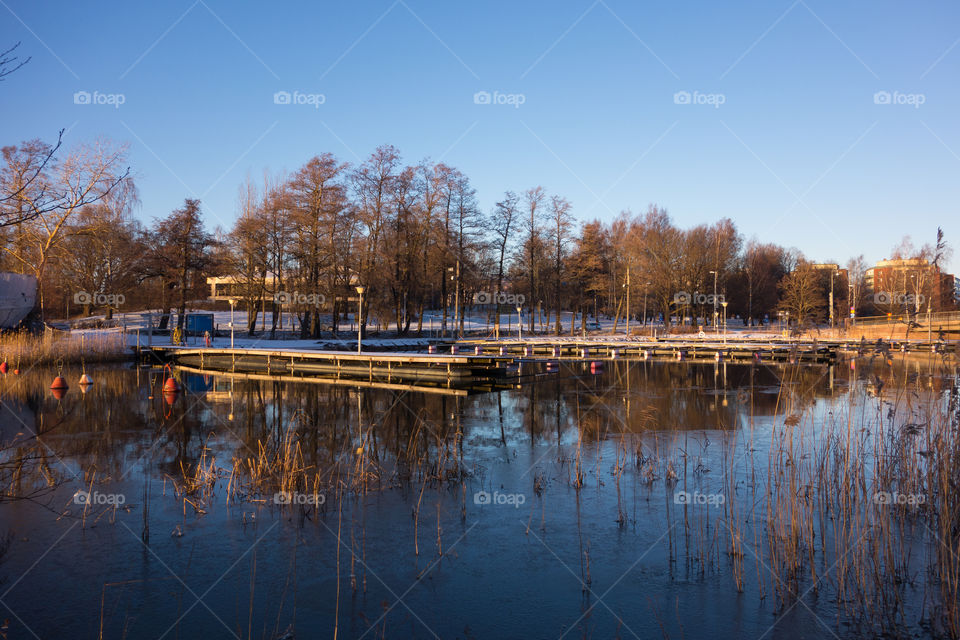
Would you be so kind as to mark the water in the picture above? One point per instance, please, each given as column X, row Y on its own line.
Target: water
column 460, row 516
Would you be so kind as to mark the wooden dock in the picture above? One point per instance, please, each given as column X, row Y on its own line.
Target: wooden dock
column 404, row 367
column 677, row 350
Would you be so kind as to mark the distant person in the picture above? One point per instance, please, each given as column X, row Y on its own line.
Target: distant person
column 206, row 339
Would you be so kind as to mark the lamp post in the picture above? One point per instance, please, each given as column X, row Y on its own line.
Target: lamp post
column 645, row 289
column 360, row 320
column 832, row 274
column 851, row 301
column 724, row 303
column 519, row 322
column 715, row 327
column 233, row 303
column 628, row 299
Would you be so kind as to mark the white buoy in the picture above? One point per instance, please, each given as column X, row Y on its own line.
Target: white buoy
column 85, row 379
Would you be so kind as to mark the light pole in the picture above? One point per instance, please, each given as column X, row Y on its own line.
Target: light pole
column 233, row 303
column 724, row 303
column 360, row 320
column 519, row 323
column 832, row 274
column 628, row 300
column 715, row 327
column 851, row 301
column 645, row 289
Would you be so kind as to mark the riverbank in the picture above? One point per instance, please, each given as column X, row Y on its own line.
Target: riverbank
column 22, row 350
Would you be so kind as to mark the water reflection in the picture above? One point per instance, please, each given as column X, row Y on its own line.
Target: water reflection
column 595, row 453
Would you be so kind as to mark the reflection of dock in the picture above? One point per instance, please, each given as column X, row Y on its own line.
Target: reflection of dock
column 403, row 369
column 346, row 382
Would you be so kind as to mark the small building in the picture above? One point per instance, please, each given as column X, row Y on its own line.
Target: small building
column 223, row 288
column 198, row 323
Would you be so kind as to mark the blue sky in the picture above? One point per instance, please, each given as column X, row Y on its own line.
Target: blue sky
column 783, row 132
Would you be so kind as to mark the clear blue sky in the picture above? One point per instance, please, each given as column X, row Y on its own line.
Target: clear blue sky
column 799, row 152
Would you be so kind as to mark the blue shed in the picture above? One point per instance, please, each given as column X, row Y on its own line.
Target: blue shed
column 197, row 323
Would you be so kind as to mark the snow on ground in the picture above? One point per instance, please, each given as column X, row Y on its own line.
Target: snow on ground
column 477, row 326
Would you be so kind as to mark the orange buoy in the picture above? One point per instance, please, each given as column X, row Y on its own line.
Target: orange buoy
column 58, row 392
column 16, row 372
column 59, row 383
column 4, row 367
column 171, row 386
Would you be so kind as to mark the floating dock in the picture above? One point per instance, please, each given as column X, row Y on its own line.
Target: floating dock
column 696, row 349
column 404, row 367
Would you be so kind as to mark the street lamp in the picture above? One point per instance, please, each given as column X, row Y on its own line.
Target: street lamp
column 832, row 274
column 715, row 327
column 360, row 320
column 628, row 299
column 520, row 322
column 233, row 303
column 645, row 289
column 724, row 303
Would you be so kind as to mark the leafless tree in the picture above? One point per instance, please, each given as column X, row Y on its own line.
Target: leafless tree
column 86, row 176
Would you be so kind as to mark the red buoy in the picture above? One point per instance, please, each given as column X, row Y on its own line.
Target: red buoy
column 596, row 367
column 59, row 383
column 16, row 372
column 171, row 396
column 4, row 368
column 58, row 392
column 171, row 386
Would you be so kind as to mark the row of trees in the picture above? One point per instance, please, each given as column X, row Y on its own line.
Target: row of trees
column 412, row 235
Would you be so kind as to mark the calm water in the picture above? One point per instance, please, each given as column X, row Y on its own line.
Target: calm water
column 451, row 516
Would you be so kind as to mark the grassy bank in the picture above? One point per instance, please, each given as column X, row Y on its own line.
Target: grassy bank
column 22, row 350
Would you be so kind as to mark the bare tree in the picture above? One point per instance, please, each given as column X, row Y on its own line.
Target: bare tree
column 181, row 253
column 87, row 176
column 534, row 199
column 503, row 223
column 856, row 281
column 801, row 294
column 9, row 62
column 561, row 221
column 318, row 198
